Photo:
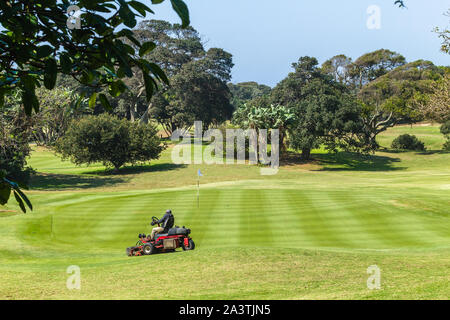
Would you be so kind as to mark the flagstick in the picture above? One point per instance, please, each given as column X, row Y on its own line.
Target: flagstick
column 51, row 226
column 198, row 191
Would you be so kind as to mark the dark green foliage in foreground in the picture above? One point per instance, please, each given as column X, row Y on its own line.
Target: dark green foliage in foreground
column 408, row 142
column 37, row 45
column 14, row 150
column 109, row 140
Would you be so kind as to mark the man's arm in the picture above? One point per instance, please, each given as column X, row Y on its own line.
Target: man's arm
column 163, row 219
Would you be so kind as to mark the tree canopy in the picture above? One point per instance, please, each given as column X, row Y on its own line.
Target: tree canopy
column 373, row 65
column 325, row 110
column 198, row 89
column 109, row 140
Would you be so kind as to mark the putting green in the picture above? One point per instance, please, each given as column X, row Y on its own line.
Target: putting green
column 320, row 224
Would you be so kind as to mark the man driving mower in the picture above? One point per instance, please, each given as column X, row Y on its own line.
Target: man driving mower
column 166, row 222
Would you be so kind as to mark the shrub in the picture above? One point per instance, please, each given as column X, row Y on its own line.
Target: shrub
column 109, row 140
column 447, row 145
column 445, row 130
column 408, row 142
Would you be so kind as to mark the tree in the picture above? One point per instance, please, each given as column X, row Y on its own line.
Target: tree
column 253, row 116
column 218, row 63
column 445, row 130
column 179, row 51
column 175, row 46
column 436, row 106
column 325, row 110
column 198, row 77
column 374, row 65
column 109, row 140
column 338, row 68
column 444, row 34
column 56, row 112
column 394, row 97
column 246, row 91
column 194, row 95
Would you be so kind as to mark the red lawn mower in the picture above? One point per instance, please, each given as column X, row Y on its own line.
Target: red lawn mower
column 164, row 242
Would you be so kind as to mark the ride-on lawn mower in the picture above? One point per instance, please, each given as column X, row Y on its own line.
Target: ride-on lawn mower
column 164, row 242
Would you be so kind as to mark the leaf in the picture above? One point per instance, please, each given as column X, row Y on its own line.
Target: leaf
column 5, row 192
column 20, row 202
column 146, row 48
column 149, row 89
column 50, row 73
column 92, row 100
column 25, row 198
column 29, row 101
column 127, row 16
column 116, row 88
column 157, row 1
column 44, row 51
column 104, row 101
column 159, row 72
column 182, row 10
column 140, row 7
column 66, row 63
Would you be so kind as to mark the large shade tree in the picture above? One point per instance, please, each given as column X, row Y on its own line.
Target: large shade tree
column 246, row 91
column 198, row 77
column 373, row 65
column 395, row 96
column 338, row 67
column 325, row 110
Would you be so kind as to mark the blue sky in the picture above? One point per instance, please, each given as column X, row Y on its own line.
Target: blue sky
column 266, row 36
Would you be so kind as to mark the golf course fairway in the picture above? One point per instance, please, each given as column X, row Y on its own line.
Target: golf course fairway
column 308, row 232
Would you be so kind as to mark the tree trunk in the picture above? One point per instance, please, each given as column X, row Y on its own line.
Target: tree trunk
column 306, row 154
column 133, row 112
column 283, row 147
column 145, row 116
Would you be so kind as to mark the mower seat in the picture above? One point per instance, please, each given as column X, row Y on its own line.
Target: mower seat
column 179, row 231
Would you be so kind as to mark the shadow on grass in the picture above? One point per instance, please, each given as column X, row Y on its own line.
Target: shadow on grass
column 48, row 181
column 94, row 179
column 349, row 161
column 393, row 151
column 159, row 167
column 431, row 152
column 422, row 153
column 344, row 161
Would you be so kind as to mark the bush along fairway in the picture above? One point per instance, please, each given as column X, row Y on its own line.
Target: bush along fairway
column 309, row 232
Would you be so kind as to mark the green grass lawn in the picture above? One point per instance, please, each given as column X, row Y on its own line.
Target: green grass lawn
column 309, row 232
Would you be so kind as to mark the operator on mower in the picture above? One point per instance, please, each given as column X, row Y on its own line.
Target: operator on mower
column 167, row 222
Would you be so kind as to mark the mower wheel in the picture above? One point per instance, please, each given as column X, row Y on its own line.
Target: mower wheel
column 148, row 249
column 191, row 245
